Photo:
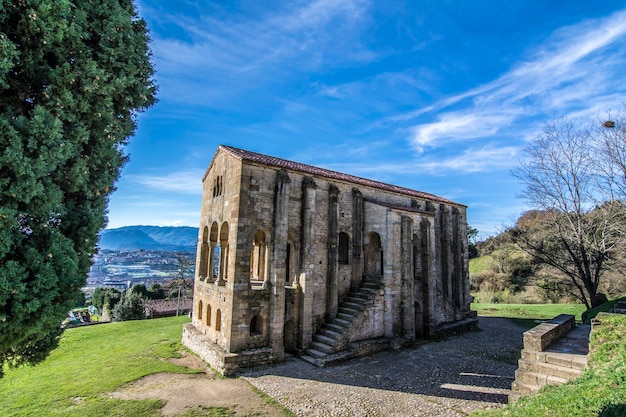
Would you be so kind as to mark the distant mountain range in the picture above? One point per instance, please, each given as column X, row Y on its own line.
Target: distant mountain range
column 172, row 239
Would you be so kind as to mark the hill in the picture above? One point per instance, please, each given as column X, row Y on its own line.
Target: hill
column 171, row 239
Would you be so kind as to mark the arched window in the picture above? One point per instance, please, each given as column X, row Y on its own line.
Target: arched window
column 208, row 315
column 214, row 261
column 218, row 186
column 256, row 325
column 342, row 250
column 199, row 316
column 223, row 253
column 218, row 320
column 258, row 261
column 204, row 254
column 217, row 258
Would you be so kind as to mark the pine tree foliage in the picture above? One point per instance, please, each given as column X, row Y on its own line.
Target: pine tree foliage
column 73, row 76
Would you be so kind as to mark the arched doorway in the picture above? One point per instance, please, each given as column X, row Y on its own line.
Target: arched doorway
column 373, row 256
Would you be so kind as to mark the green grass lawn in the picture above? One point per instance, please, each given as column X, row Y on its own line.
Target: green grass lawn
column 90, row 361
column 528, row 311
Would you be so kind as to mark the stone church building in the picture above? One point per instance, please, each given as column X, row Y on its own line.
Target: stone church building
column 298, row 259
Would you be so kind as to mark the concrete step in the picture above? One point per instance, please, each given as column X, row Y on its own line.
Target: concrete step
column 322, row 347
column 319, row 337
column 550, row 369
column 538, row 379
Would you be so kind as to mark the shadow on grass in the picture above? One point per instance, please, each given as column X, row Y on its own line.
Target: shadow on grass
column 613, row 410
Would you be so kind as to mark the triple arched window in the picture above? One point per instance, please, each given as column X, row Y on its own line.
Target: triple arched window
column 214, row 253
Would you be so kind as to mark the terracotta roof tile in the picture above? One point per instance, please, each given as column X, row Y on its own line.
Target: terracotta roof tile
column 254, row 157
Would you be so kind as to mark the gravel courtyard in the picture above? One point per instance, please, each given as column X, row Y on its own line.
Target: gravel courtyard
column 452, row 377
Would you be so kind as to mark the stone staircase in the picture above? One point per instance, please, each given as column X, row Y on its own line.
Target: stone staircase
column 330, row 342
column 554, row 353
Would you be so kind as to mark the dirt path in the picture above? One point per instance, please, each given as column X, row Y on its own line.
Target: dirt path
column 182, row 392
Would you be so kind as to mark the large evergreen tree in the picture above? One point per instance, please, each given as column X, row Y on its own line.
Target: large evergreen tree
column 73, row 75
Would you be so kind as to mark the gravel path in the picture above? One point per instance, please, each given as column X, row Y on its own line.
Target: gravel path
column 452, row 377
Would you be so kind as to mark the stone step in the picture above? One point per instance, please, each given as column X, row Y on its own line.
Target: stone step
column 367, row 291
column 315, row 353
column 524, row 388
column 308, row 359
column 319, row 337
column 514, row 396
column 537, row 379
column 566, row 360
column 359, row 297
column 322, row 347
column 336, row 327
column 348, row 318
column 550, row 369
column 342, row 322
column 352, row 305
column 347, row 310
column 331, row 333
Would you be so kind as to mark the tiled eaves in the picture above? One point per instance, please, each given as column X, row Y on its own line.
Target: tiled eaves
column 273, row 161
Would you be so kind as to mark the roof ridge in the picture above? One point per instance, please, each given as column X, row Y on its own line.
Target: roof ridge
column 251, row 156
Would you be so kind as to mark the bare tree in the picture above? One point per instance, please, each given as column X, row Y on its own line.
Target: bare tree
column 611, row 131
column 568, row 176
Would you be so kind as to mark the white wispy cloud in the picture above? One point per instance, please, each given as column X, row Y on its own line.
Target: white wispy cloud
column 457, row 126
column 186, row 182
column 223, row 56
column 575, row 69
column 473, row 160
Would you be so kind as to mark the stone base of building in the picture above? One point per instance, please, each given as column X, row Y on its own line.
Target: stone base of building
column 449, row 329
column 227, row 364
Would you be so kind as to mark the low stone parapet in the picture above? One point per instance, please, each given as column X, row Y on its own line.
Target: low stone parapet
column 540, row 337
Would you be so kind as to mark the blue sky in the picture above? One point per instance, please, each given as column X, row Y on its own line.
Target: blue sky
column 439, row 96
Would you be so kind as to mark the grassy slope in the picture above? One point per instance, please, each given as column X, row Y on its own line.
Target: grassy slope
column 90, row 361
column 601, row 391
column 528, row 311
column 479, row 264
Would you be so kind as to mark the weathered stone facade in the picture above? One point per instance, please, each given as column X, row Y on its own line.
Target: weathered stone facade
column 295, row 258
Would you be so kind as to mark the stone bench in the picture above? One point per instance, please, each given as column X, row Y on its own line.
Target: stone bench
column 540, row 337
